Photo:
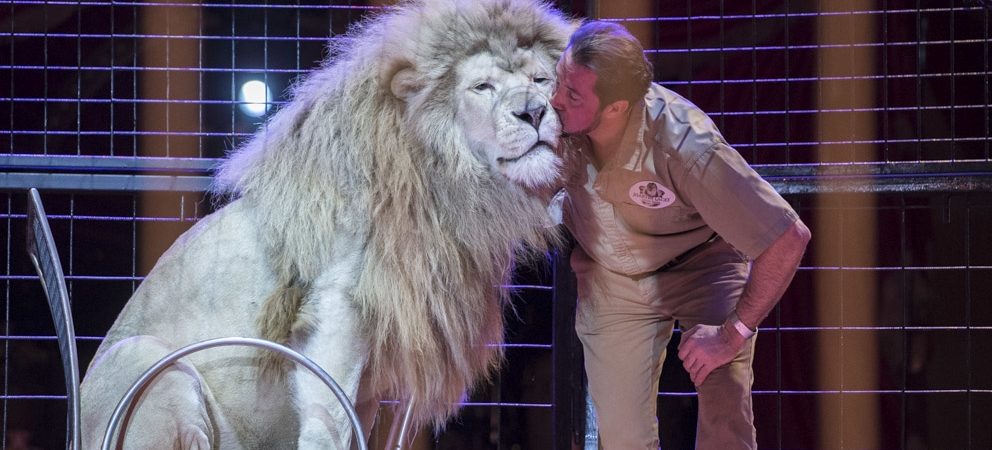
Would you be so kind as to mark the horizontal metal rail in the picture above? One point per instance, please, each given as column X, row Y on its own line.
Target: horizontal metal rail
column 105, row 173
column 137, row 174
column 881, row 177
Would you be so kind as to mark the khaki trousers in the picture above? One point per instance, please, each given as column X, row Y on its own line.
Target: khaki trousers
column 625, row 324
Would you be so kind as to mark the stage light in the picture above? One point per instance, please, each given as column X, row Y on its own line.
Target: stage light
column 256, row 98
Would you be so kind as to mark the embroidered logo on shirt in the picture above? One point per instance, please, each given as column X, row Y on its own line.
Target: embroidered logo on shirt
column 650, row 194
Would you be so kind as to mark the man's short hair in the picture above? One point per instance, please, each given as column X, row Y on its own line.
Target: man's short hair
column 617, row 58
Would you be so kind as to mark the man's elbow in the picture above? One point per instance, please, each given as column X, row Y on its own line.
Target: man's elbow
column 799, row 234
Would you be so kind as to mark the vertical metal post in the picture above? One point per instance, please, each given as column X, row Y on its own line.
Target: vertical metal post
column 846, row 82
column 568, row 382
column 168, row 125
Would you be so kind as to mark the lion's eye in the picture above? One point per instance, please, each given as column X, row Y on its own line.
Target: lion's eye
column 542, row 80
column 484, row 86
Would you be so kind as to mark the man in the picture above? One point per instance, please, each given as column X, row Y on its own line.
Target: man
column 714, row 248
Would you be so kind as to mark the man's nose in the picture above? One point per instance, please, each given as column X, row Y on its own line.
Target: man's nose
column 555, row 101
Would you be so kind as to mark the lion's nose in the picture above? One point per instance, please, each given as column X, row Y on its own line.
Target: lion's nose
column 532, row 115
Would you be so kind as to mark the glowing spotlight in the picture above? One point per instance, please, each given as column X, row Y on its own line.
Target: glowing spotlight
column 256, row 98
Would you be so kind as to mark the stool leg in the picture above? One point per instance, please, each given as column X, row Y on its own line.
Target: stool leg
column 400, row 435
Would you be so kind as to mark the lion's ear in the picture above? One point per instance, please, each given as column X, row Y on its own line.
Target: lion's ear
column 406, row 82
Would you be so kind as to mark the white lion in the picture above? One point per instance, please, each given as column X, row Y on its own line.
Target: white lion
column 373, row 219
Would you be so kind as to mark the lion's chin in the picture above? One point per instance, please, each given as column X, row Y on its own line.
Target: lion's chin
column 536, row 168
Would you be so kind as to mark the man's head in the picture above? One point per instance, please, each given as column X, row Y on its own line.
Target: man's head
column 602, row 69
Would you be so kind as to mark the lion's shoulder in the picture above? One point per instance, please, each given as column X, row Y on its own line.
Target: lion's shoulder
column 229, row 237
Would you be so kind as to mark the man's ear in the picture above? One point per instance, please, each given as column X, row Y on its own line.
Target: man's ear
column 406, row 83
column 617, row 108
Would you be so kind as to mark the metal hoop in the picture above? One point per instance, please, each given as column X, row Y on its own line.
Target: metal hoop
column 287, row 352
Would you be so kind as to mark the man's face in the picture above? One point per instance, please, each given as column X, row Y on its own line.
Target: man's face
column 575, row 98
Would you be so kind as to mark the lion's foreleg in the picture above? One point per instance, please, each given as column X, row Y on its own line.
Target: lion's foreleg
column 172, row 412
column 332, row 339
column 334, row 345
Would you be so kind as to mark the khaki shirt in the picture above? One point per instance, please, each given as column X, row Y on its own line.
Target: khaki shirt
column 674, row 183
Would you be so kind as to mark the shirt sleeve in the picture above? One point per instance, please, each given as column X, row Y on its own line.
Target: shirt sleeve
column 735, row 201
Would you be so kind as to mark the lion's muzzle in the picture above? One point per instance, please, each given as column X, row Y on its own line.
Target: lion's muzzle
column 528, row 105
column 532, row 114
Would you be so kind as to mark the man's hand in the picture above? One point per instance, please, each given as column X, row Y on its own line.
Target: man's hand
column 706, row 347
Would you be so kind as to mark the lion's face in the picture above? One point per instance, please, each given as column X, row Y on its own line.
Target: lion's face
column 506, row 116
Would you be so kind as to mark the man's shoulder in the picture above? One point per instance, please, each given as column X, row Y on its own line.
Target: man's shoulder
column 662, row 100
column 678, row 126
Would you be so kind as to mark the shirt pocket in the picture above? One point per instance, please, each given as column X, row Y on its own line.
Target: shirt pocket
column 666, row 221
column 645, row 204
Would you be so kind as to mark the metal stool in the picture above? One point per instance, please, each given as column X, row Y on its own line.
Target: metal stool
column 41, row 249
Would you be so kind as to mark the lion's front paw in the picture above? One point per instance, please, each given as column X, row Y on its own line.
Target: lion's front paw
column 193, row 438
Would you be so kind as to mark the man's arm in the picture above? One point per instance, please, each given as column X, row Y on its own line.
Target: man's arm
column 706, row 347
column 771, row 274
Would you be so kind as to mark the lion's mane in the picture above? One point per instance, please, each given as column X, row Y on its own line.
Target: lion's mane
column 347, row 159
